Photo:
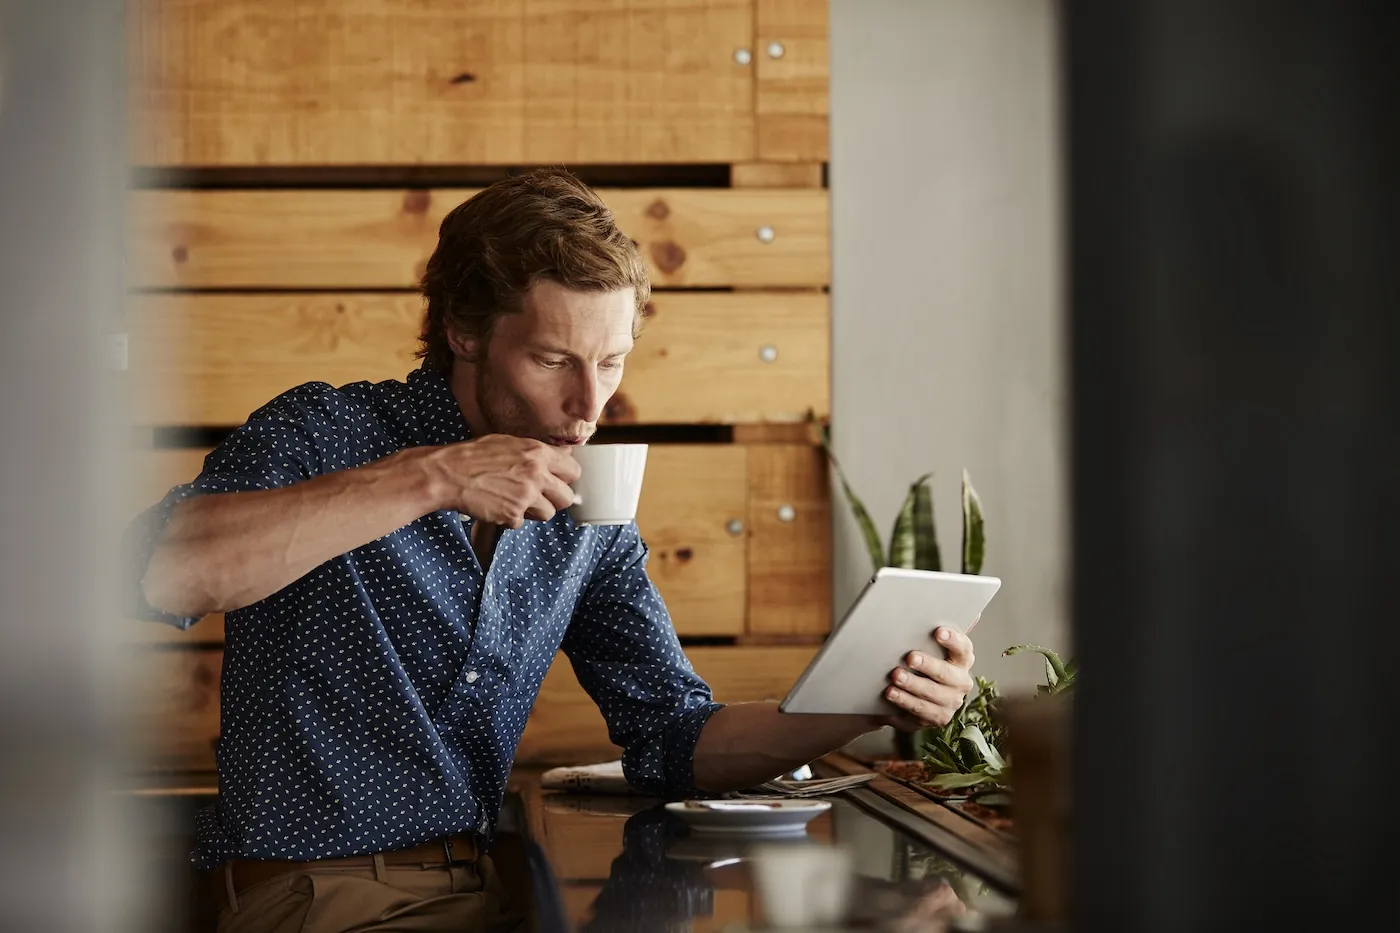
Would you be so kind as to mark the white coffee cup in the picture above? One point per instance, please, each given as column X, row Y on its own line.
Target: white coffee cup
column 803, row 884
column 610, row 484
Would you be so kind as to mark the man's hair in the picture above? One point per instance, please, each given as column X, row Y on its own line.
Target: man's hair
column 538, row 226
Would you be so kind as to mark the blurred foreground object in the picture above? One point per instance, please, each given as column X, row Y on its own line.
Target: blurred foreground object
column 62, row 184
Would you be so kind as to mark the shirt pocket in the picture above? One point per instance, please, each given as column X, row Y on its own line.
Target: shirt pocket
column 541, row 606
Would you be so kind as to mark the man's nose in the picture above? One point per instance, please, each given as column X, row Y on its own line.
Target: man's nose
column 587, row 399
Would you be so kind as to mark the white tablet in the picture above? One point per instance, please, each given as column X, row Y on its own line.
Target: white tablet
column 894, row 614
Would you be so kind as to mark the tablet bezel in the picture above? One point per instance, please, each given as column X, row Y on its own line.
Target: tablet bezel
column 913, row 631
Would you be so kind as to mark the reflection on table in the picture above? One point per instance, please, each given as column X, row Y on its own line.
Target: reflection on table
column 624, row 864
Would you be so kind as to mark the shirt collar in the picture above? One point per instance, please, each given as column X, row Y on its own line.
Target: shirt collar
column 441, row 417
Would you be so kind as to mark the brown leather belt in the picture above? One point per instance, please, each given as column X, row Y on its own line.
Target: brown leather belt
column 242, row 874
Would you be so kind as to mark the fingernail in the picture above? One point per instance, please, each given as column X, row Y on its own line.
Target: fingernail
column 916, row 659
column 892, row 693
column 900, row 677
column 945, row 635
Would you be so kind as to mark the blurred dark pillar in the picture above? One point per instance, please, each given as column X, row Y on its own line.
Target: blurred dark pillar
column 1233, row 205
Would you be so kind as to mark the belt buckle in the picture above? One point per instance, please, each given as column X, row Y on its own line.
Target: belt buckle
column 447, row 848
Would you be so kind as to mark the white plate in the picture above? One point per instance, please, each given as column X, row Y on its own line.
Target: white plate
column 749, row 817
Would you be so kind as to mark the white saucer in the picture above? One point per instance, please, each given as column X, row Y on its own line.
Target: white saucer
column 749, row 817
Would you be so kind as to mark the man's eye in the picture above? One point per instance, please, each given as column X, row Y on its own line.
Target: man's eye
column 551, row 364
column 610, row 364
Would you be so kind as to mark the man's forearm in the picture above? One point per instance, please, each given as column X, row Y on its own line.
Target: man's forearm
column 228, row 550
column 745, row 744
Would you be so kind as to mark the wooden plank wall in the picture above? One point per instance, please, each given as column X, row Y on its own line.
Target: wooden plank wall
column 280, row 229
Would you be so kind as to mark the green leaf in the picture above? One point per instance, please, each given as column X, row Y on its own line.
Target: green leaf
column 993, row 759
column 974, row 541
column 926, row 556
column 1056, row 666
column 867, row 525
column 954, row 781
column 902, row 540
column 940, row 761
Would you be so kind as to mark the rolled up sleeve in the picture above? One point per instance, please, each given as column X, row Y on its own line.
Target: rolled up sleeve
column 279, row 445
column 625, row 653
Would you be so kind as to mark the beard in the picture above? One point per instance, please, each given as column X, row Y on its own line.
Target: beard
column 505, row 412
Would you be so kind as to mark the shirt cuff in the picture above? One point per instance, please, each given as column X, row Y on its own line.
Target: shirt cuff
column 678, row 765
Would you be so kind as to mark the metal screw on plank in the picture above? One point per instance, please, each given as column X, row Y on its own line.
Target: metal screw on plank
column 768, row 353
column 743, row 56
column 735, row 527
column 775, row 50
column 786, row 513
column 765, row 234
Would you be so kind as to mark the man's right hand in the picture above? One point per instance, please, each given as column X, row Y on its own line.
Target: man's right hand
column 501, row 479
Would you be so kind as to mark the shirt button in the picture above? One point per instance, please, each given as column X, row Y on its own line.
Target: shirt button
column 472, row 676
column 490, row 593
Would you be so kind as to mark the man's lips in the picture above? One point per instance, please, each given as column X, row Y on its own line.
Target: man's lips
column 565, row 441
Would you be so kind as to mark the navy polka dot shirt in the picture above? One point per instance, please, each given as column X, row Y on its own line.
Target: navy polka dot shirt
column 377, row 702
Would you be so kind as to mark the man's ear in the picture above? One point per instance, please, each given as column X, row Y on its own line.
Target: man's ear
column 463, row 347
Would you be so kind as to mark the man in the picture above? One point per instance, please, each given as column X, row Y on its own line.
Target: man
column 398, row 573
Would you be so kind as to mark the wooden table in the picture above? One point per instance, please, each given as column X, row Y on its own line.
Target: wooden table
column 623, row 863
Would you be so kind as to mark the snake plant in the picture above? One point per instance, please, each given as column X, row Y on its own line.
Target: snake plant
column 913, row 541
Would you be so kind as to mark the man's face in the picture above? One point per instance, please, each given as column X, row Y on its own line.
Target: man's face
column 548, row 371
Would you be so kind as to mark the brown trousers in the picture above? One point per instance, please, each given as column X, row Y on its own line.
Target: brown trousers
column 465, row 898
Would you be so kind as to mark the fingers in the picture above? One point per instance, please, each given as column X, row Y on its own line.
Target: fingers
column 931, row 690
column 561, row 463
column 932, row 703
column 937, row 669
column 958, row 646
column 558, row 493
column 541, row 510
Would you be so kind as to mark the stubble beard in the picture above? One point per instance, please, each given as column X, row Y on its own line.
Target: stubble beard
column 502, row 411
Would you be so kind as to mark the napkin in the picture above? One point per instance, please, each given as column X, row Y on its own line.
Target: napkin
column 606, row 778
column 601, row 778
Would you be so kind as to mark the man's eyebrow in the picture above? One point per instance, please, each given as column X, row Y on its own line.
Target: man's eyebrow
column 560, row 351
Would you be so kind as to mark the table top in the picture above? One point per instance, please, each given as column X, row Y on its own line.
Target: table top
column 624, row 863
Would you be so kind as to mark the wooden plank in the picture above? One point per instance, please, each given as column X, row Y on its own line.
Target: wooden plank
column 792, row 101
column 212, row 359
column 348, row 239
column 173, row 717
column 567, row 727
column 690, row 494
column 728, row 358
column 327, row 82
column 776, row 175
column 373, row 82
column 637, row 81
column 789, row 540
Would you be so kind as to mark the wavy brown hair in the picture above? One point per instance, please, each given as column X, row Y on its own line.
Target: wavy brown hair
column 541, row 225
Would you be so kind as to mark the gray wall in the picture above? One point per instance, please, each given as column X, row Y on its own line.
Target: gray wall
column 947, row 304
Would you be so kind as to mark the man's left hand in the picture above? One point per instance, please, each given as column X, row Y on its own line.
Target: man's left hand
column 929, row 690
